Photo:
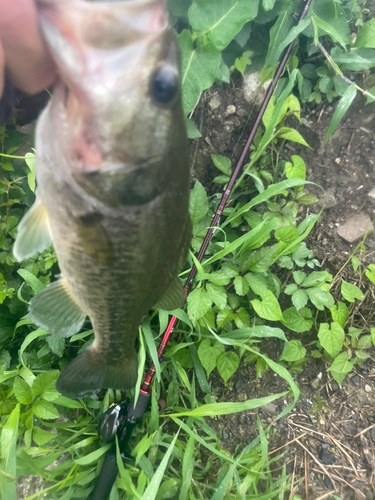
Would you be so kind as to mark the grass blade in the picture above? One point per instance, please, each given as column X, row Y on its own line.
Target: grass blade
column 153, row 487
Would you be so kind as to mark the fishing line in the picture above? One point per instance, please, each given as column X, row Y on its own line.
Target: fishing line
column 120, row 419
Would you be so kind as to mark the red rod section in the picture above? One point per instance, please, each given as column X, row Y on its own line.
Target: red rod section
column 146, row 386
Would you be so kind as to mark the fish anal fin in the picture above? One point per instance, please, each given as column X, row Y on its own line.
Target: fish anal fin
column 33, row 232
column 173, row 297
column 91, row 371
column 56, row 310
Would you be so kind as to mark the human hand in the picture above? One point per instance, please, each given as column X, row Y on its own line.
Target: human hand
column 22, row 49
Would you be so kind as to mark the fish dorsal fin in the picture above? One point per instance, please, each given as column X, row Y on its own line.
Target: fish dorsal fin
column 173, row 297
column 33, row 232
column 56, row 310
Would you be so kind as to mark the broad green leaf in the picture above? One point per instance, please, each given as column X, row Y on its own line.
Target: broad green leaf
column 218, row 278
column 269, row 307
column 331, row 338
column 208, row 354
column 217, row 294
column 373, row 335
column 227, row 364
column 45, row 385
column 299, row 277
column 342, row 364
column 45, row 410
column 260, row 260
column 290, row 134
column 314, row 278
column 341, row 109
column 370, row 273
column 241, row 286
column 192, row 130
column 241, row 318
column 366, row 35
column 22, row 391
column 153, row 487
column 293, row 351
column 299, row 299
column 298, row 321
column 30, row 338
column 287, row 234
column 222, row 163
column 339, row 377
column 199, row 68
column 56, row 344
column 257, row 283
column 350, row 292
column 355, row 60
column 9, row 434
column 41, row 437
column 364, row 342
column 340, row 313
column 199, row 302
column 198, row 203
column 223, row 317
column 320, row 298
column 222, row 19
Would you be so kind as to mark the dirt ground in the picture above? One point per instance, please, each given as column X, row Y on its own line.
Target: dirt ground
column 329, row 438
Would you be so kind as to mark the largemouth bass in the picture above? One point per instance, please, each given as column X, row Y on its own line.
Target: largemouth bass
column 112, row 182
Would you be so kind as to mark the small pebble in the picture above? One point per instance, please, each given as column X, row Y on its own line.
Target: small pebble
column 214, row 103
column 372, row 434
column 351, row 428
column 356, row 380
column 355, row 418
column 328, row 483
column 241, row 112
column 368, row 388
column 231, row 109
column 270, row 408
column 326, row 457
column 315, row 383
column 225, row 435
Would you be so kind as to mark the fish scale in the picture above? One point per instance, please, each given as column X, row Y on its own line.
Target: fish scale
column 112, row 183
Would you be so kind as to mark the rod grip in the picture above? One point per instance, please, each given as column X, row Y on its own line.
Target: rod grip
column 108, row 475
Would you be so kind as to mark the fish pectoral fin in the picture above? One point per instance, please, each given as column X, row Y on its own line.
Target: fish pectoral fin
column 93, row 370
column 33, row 232
column 173, row 297
column 95, row 240
column 56, row 310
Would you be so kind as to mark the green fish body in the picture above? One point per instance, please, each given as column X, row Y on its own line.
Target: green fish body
column 112, row 183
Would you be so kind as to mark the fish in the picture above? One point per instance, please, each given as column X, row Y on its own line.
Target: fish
column 113, row 183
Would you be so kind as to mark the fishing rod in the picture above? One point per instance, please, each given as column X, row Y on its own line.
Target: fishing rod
column 121, row 418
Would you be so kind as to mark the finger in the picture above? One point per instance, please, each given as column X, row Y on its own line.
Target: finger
column 1, row 70
column 26, row 55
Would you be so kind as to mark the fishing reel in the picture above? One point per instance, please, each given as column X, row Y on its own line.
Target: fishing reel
column 112, row 421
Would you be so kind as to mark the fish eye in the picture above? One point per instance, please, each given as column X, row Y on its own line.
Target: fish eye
column 164, row 84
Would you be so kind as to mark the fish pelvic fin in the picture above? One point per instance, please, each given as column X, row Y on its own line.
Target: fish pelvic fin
column 173, row 297
column 56, row 310
column 33, row 232
column 92, row 370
